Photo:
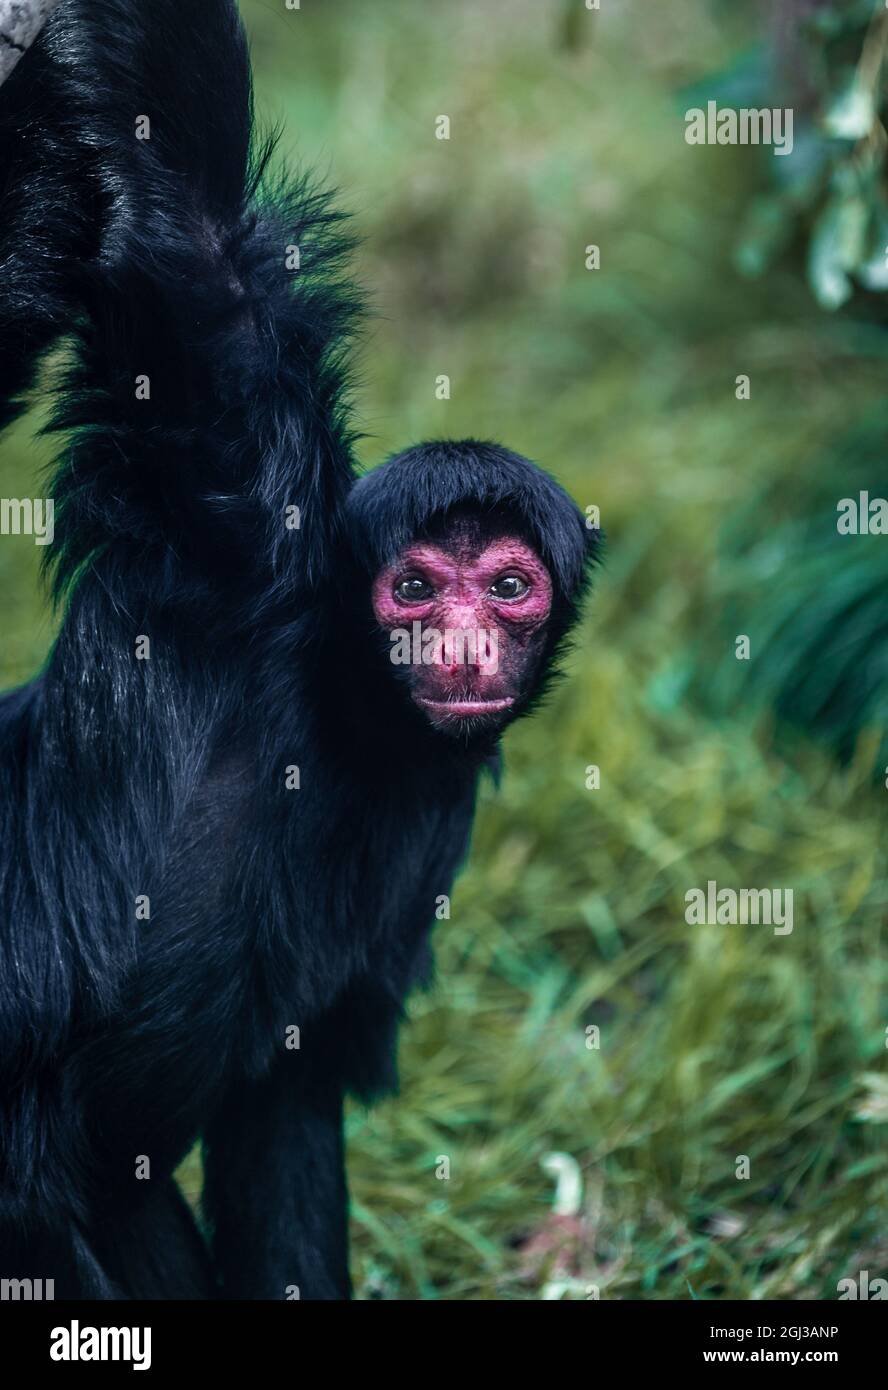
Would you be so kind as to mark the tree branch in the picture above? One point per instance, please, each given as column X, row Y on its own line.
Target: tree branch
column 20, row 23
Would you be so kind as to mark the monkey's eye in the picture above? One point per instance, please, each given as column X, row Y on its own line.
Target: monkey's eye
column 413, row 590
column 509, row 586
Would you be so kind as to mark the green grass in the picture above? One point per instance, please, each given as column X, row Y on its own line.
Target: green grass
column 714, row 1041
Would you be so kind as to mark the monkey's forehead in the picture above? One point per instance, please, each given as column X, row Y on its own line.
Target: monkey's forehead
column 463, row 550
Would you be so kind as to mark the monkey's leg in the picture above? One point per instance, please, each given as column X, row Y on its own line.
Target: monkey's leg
column 155, row 1250
column 275, row 1191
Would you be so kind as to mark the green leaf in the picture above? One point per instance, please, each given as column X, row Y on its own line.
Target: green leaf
column 852, row 113
column 837, row 247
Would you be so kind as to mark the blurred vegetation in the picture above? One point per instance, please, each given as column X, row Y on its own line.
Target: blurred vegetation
column 825, row 59
column 821, row 654
column 567, row 130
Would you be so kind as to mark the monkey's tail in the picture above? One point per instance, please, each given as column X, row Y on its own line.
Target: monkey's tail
column 206, row 303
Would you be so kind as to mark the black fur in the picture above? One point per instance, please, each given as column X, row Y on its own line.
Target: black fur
column 269, row 908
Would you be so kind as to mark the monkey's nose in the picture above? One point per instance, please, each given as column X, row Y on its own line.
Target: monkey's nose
column 469, row 646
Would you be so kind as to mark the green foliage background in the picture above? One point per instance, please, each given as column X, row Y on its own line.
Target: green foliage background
column 567, row 129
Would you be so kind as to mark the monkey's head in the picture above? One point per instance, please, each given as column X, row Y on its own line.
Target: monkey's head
column 477, row 561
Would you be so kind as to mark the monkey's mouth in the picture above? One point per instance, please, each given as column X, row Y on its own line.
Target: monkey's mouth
column 465, row 708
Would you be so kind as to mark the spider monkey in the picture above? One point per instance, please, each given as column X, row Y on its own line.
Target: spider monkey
column 226, row 811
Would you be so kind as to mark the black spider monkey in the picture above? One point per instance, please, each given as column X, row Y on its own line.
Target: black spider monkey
column 227, row 810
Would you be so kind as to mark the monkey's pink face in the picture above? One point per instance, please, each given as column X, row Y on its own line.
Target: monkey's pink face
column 469, row 624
